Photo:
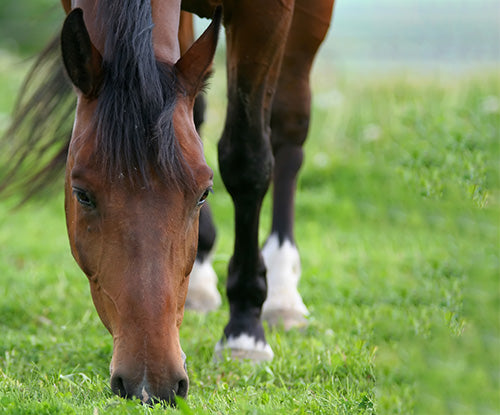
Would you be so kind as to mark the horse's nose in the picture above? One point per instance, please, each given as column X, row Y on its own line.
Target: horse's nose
column 142, row 390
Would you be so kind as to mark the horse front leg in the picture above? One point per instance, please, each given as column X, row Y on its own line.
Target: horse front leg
column 203, row 294
column 289, row 124
column 255, row 30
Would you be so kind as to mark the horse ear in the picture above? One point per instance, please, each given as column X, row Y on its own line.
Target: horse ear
column 82, row 60
column 194, row 65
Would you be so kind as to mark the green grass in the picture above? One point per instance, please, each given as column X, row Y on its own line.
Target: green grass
column 398, row 228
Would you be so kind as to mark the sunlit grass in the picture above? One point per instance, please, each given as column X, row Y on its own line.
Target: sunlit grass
column 398, row 228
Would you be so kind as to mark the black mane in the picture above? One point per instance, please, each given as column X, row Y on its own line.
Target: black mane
column 134, row 122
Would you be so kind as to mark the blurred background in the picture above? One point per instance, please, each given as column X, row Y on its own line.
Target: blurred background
column 446, row 34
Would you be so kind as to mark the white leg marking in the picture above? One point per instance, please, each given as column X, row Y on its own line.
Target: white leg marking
column 202, row 292
column 283, row 300
column 245, row 347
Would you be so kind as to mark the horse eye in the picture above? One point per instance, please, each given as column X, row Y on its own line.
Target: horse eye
column 84, row 198
column 204, row 196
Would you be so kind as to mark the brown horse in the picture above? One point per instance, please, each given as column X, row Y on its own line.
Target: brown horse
column 136, row 178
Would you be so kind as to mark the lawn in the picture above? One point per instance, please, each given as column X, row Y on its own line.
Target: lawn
column 398, row 229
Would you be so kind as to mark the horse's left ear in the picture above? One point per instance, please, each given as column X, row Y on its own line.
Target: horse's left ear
column 194, row 65
column 82, row 60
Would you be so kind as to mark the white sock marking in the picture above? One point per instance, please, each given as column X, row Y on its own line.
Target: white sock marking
column 283, row 274
column 246, row 343
column 202, row 292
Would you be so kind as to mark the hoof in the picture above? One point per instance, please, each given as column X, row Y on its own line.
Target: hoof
column 288, row 318
column 243, row 347
column 203, row 295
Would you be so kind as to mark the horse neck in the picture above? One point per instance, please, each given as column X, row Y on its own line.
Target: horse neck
column 165, row 14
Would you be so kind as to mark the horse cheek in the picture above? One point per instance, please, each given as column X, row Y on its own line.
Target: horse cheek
column 104, row 306
column 86, row 243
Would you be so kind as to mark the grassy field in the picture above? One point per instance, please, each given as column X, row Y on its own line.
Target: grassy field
column 398, row 228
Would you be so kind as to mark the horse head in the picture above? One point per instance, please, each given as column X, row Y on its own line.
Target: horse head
column 135, row 180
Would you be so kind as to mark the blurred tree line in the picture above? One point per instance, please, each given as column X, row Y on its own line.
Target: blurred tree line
column 27, row 25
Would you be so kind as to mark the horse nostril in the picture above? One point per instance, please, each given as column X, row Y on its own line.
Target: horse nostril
column 118, row 387
column 182, row 388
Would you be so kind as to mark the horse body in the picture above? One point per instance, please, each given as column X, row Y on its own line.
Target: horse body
column 136, row 178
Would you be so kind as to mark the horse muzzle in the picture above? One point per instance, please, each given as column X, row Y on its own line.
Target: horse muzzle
column 149, row 392
column 160, row 383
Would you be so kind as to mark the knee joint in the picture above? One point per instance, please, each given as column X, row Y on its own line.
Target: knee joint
column 246, row 164
column 289, row 128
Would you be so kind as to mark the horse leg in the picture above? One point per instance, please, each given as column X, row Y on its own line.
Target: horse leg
column 255, row 30
column 202, row 292
column 289, row 125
